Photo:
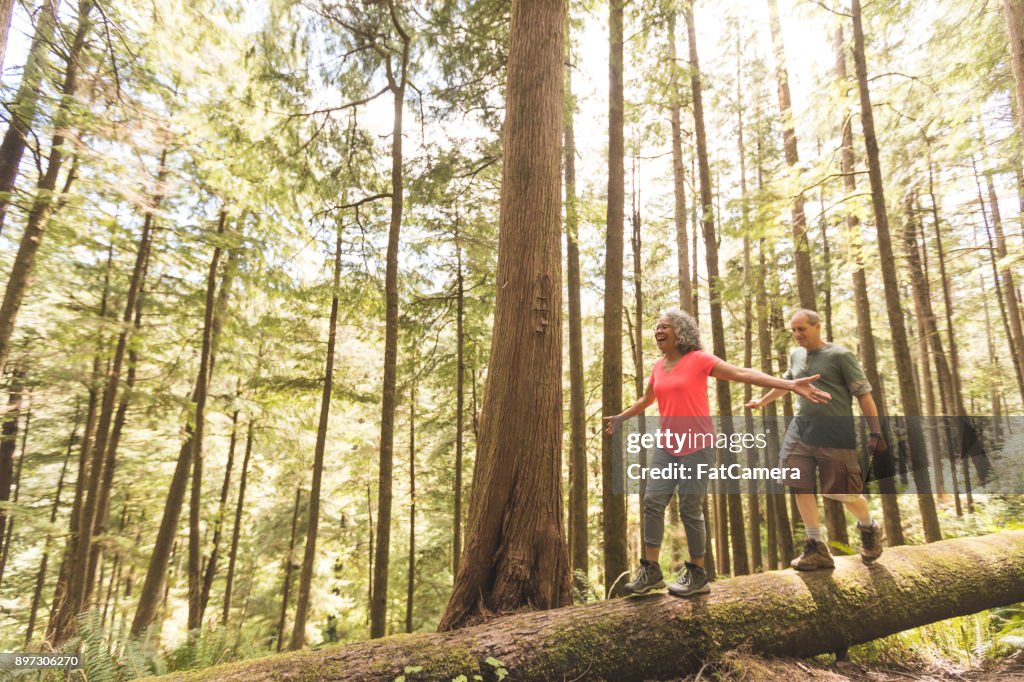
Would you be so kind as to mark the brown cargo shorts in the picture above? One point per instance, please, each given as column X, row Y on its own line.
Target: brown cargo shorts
column 839, row 468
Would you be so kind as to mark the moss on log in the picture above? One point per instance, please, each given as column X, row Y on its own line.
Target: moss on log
column 781, row 613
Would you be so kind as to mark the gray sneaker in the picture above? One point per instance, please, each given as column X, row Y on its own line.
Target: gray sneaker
column 647, row 577
column 690, row 581
column 870, row 542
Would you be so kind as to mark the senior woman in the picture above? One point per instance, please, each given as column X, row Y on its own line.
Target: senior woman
column 679, row 383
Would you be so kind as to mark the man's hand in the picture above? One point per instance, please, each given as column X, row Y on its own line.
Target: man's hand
column 611, row 423
column 876, row 445
column 803, row 387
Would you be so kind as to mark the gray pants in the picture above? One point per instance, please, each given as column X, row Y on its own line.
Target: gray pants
column 691, row 500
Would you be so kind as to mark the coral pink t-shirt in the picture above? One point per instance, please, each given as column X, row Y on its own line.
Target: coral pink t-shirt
column 682, row 394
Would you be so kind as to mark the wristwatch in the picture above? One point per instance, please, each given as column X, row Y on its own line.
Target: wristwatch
column 874, row 434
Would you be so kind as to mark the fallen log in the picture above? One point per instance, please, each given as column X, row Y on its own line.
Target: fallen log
column 781, row 613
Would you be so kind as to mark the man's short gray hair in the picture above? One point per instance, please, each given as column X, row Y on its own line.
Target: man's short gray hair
column 685, row 327
column 813, row 318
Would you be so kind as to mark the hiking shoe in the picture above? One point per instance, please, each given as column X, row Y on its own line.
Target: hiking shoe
column 690, row 581
column 870, row 542
column 646, row 578
column 815, row 556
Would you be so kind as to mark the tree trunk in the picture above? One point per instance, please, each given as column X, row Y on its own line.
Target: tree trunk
column 42, row 205
column 218, row 528
column 779, row 613
column 195, row 549
column 239, row 506
column 153, row 585
column 288, row 566
column 515, row 549
column 1013, row 10
column 67, row 557
column 379, row 605
column 1013, row 310
column 12, row 422
column 1002, row 296
column 613, row 507
column 579, row 560
column 678, row 174
column 801, row 249
column 8, row 446
column 901, row 349
column 410, row 591
column 23, row 109
column 37, row 595
column 925, row 331
column 734, row 501
column 460, row 397
column 6, row 12
column 778, row 518
column 753, row 455
column 862, row 303
column 313, row 518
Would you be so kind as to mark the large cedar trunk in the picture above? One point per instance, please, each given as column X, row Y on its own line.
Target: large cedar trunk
column 887, row 263
column 515, row 553
column 780, row 613
column 613, row 507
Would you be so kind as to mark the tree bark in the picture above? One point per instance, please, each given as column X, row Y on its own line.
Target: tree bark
column 801, row 248
column 378, row 606
column 862, row 303
column 901, row 349
column 37, row 595
column 6, row 12
column 288, row 567
column 23, row 109
column 678, row 174
column 42, row 205
column 515, row 548
column 753, row 455
column 313, row 518
column 780, row 613
column 1013, row 10
column 206, row 361
column 410, row 591
column 236, row 530
column 211, row 563
column 460, row 400
column 734, row 501
column 579, row 560
column 613, row 506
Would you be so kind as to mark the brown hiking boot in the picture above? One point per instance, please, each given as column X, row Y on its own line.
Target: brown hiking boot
column 870, row 542
column 815, row 556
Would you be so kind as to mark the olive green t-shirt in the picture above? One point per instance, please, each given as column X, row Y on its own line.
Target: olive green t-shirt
column 828, row 424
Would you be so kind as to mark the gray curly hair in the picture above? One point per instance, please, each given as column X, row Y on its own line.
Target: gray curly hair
column 685, row 327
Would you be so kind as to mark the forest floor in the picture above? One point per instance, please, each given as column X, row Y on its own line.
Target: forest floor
column 743, row 667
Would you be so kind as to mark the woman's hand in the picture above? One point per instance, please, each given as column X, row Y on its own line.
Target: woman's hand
column 803, row 387
column 612, row 423
column 754, row 405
